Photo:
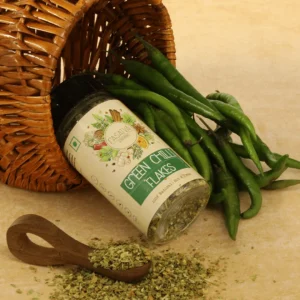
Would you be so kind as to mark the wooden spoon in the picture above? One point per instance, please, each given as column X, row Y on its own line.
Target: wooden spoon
column 66, row 250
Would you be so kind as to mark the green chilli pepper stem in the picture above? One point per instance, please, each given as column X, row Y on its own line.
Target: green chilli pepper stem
column 273, row 157
column 282, row 184
column 291, row 162
column 266, row 178
column 223, row 131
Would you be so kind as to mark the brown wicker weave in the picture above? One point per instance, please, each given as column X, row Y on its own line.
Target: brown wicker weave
column 42, row 42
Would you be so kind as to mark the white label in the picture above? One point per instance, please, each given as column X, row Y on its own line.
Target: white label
column 126, row 161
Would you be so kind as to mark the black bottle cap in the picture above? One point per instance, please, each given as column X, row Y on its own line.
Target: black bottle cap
column 70, row 92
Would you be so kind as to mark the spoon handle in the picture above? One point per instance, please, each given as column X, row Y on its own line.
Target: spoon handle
column 66, row 250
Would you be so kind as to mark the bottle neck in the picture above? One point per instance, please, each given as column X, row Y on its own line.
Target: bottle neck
column 67, row 94
column 71, row 100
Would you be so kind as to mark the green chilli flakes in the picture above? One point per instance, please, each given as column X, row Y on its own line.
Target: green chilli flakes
column 173, row 276
column 120, row 256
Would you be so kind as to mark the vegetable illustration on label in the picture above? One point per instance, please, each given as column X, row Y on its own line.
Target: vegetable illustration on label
column 117, row 136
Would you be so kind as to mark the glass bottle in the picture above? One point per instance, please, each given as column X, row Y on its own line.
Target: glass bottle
column 146, row 180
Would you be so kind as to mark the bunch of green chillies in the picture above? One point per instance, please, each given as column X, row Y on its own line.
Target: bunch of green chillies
column 167, row 103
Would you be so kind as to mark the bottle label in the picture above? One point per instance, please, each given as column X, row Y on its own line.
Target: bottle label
column 150, row 172
column 126, row 161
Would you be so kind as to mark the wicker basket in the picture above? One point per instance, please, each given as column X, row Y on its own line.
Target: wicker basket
column 42, row 42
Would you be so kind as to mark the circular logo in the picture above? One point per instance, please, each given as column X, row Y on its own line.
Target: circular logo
column 120, row 135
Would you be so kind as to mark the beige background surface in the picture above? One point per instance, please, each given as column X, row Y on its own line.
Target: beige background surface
column 247, row 48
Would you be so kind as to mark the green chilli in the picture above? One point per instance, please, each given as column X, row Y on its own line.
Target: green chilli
column 217, row 198
column 144, row 110
column 199, row 156
column 282, row 184
column 291, row 163
column 159, row 84
column 243, row 132
column 237, row 167
column 115, row 79
column 266, row 178
column 171, row 139
column 164, row 66
column 231, row 202
column 235, row 114
column 272, row 157
column 157, row 100
column 247, row 142
column 240, row 150
column 202, row 161
column 226, row 98
column 207, row 141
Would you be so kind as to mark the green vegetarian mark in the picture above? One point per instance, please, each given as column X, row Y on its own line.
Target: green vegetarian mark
column 75, row 143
